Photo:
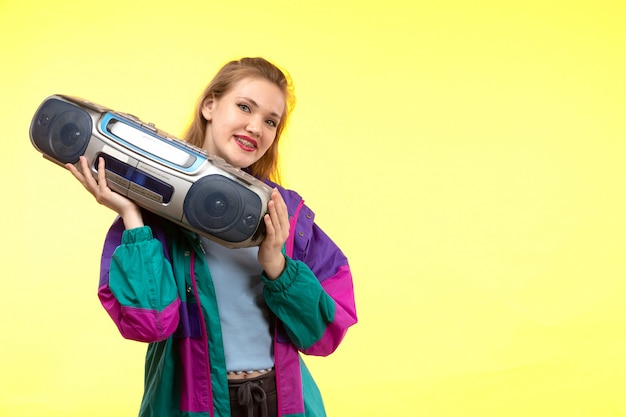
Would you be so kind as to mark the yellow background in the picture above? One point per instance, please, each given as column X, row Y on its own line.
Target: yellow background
column 468, row 156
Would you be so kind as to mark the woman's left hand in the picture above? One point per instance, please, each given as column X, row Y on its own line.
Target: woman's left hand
column 276, row 220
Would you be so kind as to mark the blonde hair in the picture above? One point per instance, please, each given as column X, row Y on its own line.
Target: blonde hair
column 224, row 80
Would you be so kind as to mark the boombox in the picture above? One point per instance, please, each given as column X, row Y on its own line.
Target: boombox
column 163, row 174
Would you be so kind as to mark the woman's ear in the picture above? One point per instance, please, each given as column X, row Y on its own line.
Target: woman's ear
column 207, row 108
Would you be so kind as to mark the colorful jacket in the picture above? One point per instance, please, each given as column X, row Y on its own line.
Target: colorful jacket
column 157, row 288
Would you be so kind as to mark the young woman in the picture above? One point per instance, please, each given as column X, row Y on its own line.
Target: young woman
column 226, row 327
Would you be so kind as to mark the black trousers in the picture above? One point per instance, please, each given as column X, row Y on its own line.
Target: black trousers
column 254, row 397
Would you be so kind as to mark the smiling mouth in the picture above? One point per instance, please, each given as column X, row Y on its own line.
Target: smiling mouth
column 246, row 143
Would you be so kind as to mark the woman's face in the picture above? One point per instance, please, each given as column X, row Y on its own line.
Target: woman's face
column 242, row 123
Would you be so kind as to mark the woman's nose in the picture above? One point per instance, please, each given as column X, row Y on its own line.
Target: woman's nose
column 254, row 126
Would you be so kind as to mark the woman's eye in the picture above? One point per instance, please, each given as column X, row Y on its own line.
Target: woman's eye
column 244, row 107
column 271, row 123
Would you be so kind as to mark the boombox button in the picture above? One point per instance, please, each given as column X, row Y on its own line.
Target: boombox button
column 130, row 116
column 118, row 179
column 144, row 192
column 250, row 221
column 149, row 126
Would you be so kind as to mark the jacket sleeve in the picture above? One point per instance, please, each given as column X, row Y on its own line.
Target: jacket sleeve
column 137, row 286
column 314, row 297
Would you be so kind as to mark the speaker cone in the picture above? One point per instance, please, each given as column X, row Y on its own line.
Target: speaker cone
column 61, row 130
column 223, row 208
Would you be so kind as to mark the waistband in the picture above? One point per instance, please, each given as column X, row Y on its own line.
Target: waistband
column 254, row 394
column 247, row 374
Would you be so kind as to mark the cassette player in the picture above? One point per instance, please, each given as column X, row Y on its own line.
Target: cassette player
column 159, row 172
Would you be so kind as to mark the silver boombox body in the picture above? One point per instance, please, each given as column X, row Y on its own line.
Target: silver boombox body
column 167, row 176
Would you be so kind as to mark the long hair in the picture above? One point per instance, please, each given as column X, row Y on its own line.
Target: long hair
column 231, row 73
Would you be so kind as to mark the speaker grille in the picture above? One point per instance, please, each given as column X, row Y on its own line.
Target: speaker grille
column 61, row 130
column 223, row 208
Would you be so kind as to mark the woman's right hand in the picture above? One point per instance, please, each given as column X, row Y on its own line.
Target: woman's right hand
column 123, row 206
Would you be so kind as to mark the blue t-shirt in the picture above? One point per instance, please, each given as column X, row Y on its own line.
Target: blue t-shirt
column 244, row 316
